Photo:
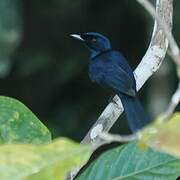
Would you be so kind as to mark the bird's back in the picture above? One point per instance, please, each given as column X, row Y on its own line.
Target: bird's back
column 102, row 65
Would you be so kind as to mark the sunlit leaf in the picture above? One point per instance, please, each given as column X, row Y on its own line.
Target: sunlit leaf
column 19, row 124
column 46, row 162
column 163, row 136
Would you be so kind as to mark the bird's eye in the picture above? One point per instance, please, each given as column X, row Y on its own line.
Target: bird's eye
column 94, row 40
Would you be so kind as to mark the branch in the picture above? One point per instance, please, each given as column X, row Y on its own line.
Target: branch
column 148, row 65
column 118, row 138
column 174, row 49
column 174, row 53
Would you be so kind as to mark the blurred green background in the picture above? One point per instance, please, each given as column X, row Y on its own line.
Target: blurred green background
column 47, row 70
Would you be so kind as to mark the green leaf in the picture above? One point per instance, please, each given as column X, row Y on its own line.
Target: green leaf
column 19, row 125
column 128, row 162
column 42, row 162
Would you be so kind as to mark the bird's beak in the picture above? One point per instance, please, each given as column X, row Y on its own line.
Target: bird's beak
column 77, row 36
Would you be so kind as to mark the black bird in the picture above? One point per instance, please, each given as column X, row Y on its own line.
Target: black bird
column 110, row 69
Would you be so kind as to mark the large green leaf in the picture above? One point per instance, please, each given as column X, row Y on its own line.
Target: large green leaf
column 128, row 162
column 19, row 125
column 42, row 162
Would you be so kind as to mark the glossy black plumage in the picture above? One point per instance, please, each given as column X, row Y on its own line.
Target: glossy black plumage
column 110, row 69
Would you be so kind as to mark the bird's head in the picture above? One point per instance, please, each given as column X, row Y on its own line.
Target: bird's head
column 95, row 42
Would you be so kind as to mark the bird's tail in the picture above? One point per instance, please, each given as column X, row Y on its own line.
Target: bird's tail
column 135, row 114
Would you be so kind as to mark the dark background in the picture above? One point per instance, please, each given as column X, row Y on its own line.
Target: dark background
column 47, row 70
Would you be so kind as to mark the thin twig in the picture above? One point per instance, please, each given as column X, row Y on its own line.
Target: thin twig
column 118, row 138
column 172, row 105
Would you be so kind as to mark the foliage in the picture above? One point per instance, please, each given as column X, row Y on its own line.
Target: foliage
column 39, row 64
column 47, row 162
column 26, row 151
column 164, row 136
column 53, row 160
column 19, row 124
column 129, row 162
column 20, row 154
column 138, row 161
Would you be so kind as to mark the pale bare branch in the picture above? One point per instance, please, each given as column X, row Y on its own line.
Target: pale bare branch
column 175, row 52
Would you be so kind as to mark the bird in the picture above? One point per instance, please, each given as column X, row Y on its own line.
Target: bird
column 110, row 69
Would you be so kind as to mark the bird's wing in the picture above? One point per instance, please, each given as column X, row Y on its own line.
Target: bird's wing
column 119, row 80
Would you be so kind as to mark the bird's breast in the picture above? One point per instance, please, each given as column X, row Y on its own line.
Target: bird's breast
column 96, row 71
